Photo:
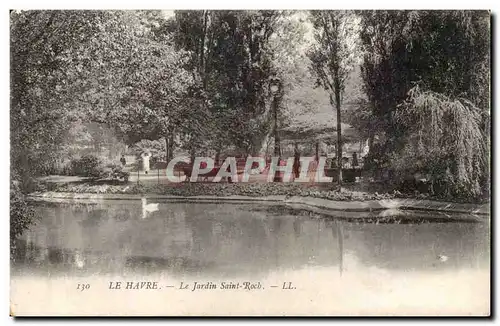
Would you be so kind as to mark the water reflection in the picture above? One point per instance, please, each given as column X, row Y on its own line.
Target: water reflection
column 226, row 240
column 337, row 232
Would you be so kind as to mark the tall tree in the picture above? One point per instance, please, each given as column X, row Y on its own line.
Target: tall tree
column 100, row 66
column 332, row 58
column 41, row 43
column 414, row 58
column 231, row 61
column 109, row 67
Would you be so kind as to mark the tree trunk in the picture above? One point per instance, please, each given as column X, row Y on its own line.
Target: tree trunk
column 277, row 141
column 202, row 46
column 370, row 142
column 339, row 137
column 296, row 161
column 340, row 237
column 167, row 154
column 170, row 146
column 192, row 155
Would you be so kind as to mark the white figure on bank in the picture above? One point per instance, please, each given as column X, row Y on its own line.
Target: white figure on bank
column 148, row 208
column 145, row 162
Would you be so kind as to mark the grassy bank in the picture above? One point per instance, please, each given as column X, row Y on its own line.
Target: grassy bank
column 325, row 191
column 350, row 192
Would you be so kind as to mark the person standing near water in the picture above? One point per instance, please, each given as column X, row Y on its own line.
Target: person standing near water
column 145, row 162
column 123, row 161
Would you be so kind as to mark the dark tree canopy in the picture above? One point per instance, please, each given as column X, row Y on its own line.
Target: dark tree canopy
column 416, row 61
column 204, row 77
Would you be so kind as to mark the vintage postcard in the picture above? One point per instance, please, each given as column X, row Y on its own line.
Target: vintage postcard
column 250, row 163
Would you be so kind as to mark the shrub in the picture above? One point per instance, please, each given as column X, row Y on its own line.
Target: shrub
column 446, row 140
column 114, row 171
column 87, row 166
column 22, row 215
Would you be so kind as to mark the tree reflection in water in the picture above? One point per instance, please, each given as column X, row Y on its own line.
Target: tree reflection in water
column 340, row 237
column 297, row 227
column 230, row 239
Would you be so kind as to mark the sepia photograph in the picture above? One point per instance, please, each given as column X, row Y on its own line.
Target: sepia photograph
column 250, row 163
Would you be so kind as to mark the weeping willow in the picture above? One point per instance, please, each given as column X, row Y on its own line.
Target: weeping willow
column 445, row 139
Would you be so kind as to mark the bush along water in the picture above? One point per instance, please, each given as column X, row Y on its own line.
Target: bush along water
column 91, row 166
column 87, row 166
column 22, row 214
column 221, row 189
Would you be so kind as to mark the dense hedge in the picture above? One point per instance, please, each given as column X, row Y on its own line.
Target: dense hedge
column 86, row 166
column 223, row 189
column 22, row 214
column 93, row 167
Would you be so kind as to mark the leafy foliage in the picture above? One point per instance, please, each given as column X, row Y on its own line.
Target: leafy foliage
column 446, row 141
column 231, row 61
column 21, row 213
column 156, row 148
column 436, row 63
column 114, row 172
column 201, row 80
column 332, row 58
column 86, row 166
column 109, row 67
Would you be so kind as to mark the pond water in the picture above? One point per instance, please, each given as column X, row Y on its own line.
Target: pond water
column 260, row 242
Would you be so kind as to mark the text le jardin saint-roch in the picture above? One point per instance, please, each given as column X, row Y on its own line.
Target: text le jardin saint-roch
column 194, row 286
column 253, row 166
